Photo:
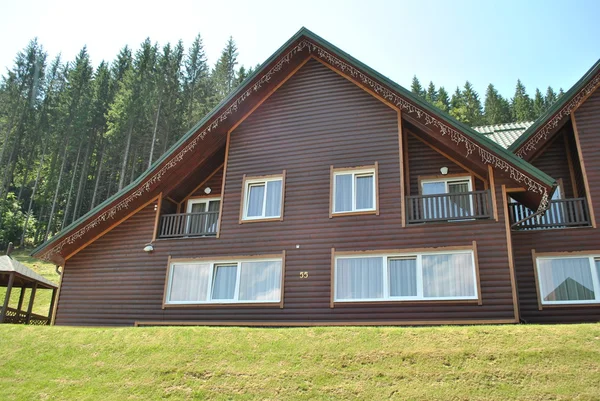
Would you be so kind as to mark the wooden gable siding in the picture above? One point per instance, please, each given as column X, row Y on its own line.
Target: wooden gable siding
column 424, row 161
column 314, row 121
column 587, row 119
column 554, row 161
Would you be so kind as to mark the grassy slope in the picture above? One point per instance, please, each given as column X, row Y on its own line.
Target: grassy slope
column 458, row 363
column 42, row 297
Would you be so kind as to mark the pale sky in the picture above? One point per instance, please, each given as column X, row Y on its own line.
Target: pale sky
column 542, row 42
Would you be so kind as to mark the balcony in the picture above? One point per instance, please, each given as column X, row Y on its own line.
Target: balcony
column 562, row 213
column 460, row 206
column 180, row 225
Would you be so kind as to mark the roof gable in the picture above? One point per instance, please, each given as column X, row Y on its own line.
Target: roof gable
column 549, row 122
column 209, row 134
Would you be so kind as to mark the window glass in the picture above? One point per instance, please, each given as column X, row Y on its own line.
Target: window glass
column 403, row 277
column 364, row 192
column 224, row 282
column 255, row 200
column 448, row 276
column 343, row 193
column 359, row 278
column 417, row 277
column 189, row 282
column 567, row 279
column 273, row 207
column 260, row 281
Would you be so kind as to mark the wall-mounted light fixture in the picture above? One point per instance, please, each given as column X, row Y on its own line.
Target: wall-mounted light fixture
column 149, row 248
column 207, row 190
column 444, row 170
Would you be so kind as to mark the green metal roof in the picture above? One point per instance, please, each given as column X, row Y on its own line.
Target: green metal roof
column 564, row 99
column 304, row 32
column 504, row 134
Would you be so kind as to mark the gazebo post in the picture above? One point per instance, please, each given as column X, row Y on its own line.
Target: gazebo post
column 52, row 301
column 11, row 280
column 30, row 306
column 20, row 304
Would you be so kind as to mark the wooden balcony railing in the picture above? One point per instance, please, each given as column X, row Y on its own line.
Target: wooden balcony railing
column 189, row 225
column 562, row 213
column 449, row 207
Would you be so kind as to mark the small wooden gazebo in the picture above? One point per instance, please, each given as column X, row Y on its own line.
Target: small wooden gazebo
column 14, row 274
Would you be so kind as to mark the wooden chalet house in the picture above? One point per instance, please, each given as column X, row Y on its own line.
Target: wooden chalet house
column 322, row 193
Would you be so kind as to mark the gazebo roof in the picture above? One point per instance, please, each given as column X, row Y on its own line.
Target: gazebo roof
column 24, row 273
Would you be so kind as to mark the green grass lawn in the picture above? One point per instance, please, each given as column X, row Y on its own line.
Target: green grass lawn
column 42, row 296
column 523, row 362
column 510, row 362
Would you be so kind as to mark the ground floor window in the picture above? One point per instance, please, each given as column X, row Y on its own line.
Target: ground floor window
column 568, row 280
column 233, row 281
column 406, row 277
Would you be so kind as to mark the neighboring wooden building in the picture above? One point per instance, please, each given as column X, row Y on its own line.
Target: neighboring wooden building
column 322, row 193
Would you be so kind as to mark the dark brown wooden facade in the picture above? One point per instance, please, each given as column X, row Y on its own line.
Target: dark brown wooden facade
column 314, row 115
column 574, row 146
column 314, row 121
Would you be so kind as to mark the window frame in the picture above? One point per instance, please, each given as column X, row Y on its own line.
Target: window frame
column 247, row 182
column 218, row 261
column 446, row 179
column 417, row 254
column 592, row 258
column 372, row 170
column 192, row 201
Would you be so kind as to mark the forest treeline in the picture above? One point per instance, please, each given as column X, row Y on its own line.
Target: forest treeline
column 465, row 104
column 72, row 134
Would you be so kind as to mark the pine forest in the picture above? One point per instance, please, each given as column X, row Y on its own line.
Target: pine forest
column 72, row 134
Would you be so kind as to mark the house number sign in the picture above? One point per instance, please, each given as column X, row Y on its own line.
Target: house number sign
column 303, row 274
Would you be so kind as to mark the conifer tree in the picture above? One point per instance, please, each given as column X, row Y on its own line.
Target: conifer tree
column 431, row 95
column 550, row 98
column 497, row 109
column 522, row 105
column 539, row 105
column 196, row 93
column 416, row 87
column 224, row 73
column 443, row 101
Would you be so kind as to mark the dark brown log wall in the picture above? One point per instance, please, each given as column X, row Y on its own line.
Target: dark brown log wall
column 563, row 240
column 214, row 183
column 315, row 120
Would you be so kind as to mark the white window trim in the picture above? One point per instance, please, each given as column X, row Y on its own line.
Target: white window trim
column 212, row 264
column 254, row 181
column 595, row 280
column 386, row 286
column 194, row 201
column 354, row 173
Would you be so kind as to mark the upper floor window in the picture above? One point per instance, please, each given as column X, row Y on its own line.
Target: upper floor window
column 263, row 198
column 354, row 190
column 228, row 281
column 568, row 280
column 202, row 216
column 406, row 277
column 447, row 198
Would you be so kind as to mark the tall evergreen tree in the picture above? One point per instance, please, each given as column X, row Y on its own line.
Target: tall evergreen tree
column 224, row 73
column 474, row 115
column 550, row 98
column 443, row 101
column 416, row 87
column 539, row 106
column 497, row 109
column 522, row 105
column 196, row 85
column 432, row 94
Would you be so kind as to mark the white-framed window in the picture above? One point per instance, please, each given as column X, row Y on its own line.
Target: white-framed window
column 406, row 277
column 235, row 281
column 568, row 280
column 263, row 198
column 354, row 190
column 203, row 216
column 458, row 204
